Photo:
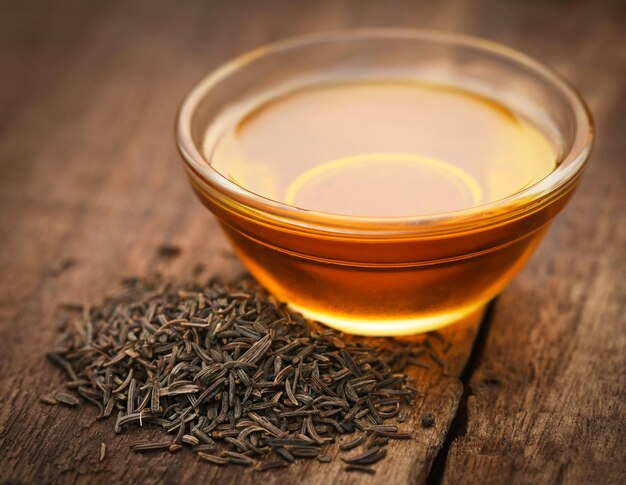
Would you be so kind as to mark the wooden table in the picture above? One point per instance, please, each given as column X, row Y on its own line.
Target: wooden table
column 89, row 171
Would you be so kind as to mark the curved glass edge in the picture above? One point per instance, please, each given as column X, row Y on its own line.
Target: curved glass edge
column 559, row 182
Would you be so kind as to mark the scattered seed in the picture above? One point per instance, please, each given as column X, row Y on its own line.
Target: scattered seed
column 285, row 454
column 147, row 446
column 402, row 415
column 48, row 400
column 67, row 399
column 205, row 448
column 348, row 445
column 270, row 465
column 428, row 420
column 216, row 460
column 168, row 250
column 238, row 458
column 305, row 452
column 369, row 456
column 394, row 435
column 190, row 440
column 360, row 469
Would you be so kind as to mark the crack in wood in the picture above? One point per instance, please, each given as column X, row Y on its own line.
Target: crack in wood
column 458, row 428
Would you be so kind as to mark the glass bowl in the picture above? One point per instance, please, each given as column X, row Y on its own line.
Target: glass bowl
column 388, row 275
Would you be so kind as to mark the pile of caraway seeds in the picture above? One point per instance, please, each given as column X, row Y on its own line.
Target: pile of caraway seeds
column 235, row 376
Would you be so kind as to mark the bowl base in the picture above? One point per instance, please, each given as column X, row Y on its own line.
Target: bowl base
column 390, row 327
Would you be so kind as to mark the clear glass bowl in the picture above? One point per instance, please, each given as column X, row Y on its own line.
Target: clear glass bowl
column 392, row 275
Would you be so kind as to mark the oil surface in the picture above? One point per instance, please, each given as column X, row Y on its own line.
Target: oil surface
column 379, row 149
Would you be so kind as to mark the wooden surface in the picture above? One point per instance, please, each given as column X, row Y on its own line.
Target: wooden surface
column 88, row 170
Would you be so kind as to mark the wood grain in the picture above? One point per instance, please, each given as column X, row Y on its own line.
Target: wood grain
column 547, row 402
column 88, row 170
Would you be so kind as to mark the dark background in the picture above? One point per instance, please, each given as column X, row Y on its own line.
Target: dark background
column 89, row 173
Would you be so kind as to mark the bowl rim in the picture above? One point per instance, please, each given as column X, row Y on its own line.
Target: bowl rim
column 274, row 212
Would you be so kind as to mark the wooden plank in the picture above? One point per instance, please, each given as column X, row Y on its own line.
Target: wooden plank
column 547, row 401
column 90, row 172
